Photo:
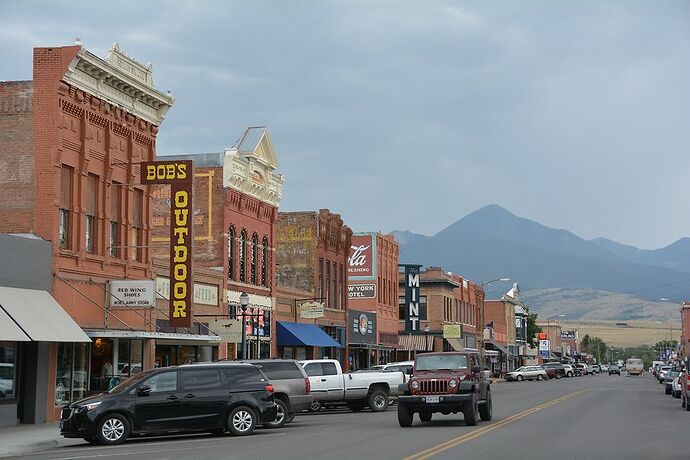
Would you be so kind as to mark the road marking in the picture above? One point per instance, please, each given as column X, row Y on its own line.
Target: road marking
column 437, row 449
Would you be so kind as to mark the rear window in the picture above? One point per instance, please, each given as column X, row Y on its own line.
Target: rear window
column 281, row 370
column 242, row 375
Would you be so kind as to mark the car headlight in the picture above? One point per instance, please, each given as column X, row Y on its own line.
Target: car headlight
column 414, row 384
column 92, row 406
column 452, row 383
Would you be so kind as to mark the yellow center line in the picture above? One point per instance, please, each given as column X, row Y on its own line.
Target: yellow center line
column 437, row 449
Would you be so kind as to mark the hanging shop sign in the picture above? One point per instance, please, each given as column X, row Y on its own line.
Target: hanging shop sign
column 361, row 264
column 362, row 327
column 412, row 295
column 229, row 330
column 544, row 347
column 180, row 176
column 568, row 334
column 361, row 291
column 132, row 294
column 452, row 331
column 311, row 310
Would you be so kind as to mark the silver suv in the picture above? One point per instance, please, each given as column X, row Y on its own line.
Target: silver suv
column 291, row 385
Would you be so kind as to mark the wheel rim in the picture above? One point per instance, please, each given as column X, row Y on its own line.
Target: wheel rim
column 380, row 401
column 242, row 420
column 113, row 429
column 280, row 416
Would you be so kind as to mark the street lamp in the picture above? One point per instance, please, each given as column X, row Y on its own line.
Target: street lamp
column 244, row 303
column 426, row 337
column 484, row 284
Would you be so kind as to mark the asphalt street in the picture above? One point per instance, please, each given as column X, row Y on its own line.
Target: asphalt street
column 590, row 417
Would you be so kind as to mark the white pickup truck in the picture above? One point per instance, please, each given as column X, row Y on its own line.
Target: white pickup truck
column 357, row 390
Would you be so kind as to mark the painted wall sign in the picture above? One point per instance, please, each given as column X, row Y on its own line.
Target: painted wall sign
column 362, row 327
column 361, row 264
column 361, row 291
column 127, row 293
column 204, row 294
column 452, row 331
column 180, row 176
column 412, row 294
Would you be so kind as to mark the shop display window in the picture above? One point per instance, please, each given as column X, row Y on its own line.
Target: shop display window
column 72, row 372
column 8, row 353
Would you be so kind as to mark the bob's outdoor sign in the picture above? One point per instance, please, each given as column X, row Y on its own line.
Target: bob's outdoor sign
column 180, row 176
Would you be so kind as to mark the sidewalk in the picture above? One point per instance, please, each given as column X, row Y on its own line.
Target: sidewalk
column 24, row 439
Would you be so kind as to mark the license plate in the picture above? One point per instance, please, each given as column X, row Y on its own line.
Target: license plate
column 432, row 399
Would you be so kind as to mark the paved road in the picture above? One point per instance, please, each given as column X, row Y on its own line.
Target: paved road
column 591, row 417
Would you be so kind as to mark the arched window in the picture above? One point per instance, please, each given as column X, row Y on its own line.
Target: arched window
column 264, row 262
column 243, row 256
column 255, row 249
column 232, row 245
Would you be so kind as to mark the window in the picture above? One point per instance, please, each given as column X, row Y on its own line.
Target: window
column 264, row 262
column 320, row 286
column 313, row 369
column 115, row 211
column 342, row 291
column 91, row 211
column 71, row 375
column 243, row 256
column 241, row 375
column 231, row 253
column 166, row 381
column 336, row 304
column 8, row 358
column 201, row 379
column 328, row 284
column 329, row 369
column 64, row 233
column 255, row 248
column 422, row 308
column 281, row 370
column 136, row 249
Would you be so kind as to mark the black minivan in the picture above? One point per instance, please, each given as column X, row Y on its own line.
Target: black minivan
column 212, row 397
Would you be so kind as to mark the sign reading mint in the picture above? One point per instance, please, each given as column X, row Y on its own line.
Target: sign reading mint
column 412, row 297
column 136, row 294
column 361, row 291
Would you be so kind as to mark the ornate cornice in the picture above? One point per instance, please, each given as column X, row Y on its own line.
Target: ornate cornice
column 120, row 80
column 253, row 178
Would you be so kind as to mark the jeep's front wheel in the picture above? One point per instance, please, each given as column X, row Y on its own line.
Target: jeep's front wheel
column 404, row 415
column 471, row 412
column 486, row 409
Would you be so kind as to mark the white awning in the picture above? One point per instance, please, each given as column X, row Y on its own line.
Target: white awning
column 40, row 316
column 162, row 338
column 9, row 330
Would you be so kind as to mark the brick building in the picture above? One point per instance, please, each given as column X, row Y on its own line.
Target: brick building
column 311, row 284
column 236, row 197
column 685, row 330
column 552, row 329
column 500, row 334
column 450, row 313
column 372, row 291
column 70, row 141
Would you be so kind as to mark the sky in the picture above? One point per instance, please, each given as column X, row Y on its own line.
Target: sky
column 411, row 114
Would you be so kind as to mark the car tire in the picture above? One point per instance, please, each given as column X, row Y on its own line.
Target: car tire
column 540, row 377
column 378, row 401
column 682, row 401
column 281, row 415
column 569, row 374
column 518, row 378
column 486, row 408
column 112, row 429
column 687, row 405
column 242, row 421
column 471, row 411
column 405, row 416
column 667, row 391
column 315, row 406
column 291, row 418
column 558, row 376
column 425, row 416
column 357, row 406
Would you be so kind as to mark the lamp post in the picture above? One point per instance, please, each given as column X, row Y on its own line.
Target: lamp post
column 426, row 337
column 484, row 284
column 244, row 303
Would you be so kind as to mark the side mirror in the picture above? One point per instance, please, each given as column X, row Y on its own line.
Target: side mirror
column 144, row 390
column 476, row 369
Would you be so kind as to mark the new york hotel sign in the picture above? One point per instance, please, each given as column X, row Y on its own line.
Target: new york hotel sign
column 180, row 176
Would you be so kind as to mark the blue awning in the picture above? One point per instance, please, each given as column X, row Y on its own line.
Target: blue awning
column 303, row 335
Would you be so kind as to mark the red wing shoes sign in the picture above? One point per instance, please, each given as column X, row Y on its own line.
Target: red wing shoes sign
column 361, row 265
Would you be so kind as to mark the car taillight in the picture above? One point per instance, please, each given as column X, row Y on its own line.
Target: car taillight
column 307, row 386
column 269, row 388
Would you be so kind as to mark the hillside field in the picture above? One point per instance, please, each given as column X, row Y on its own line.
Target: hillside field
column 634, row 333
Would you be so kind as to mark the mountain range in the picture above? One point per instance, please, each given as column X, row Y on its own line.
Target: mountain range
column 494, row 243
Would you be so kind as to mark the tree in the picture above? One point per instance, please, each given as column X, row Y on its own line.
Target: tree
column 532, row 328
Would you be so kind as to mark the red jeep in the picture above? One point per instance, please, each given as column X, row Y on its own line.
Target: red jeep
column 448, row 383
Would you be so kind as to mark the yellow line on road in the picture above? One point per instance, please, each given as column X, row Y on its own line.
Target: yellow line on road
column 435, row 450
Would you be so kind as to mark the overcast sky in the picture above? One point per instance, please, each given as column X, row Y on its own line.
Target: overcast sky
column 409, row 115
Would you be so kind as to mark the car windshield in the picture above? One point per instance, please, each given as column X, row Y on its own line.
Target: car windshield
column 438, row 362
column 124, row 385
column 672, row 374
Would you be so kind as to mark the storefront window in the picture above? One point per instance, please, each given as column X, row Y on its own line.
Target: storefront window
column 8, row 352
column 114, row 360
column 72, row 374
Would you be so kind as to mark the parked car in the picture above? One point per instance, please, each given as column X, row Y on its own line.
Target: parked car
column 594, row 369
column 685, row 391
column 554, row 370
column 668, row 380
column 661, row 372
column 527, row 373
column 614, row 369
column 604, row 368
column 675, row 385
column 403, row 366
column 196, row 397
column 358, row 389
column 634, row 366
column 291, row 388
column 569, row 370
column 582, row 367
column 448, row 382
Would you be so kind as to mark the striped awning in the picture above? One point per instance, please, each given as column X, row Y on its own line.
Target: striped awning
column 455, row 344
column 414, row 342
